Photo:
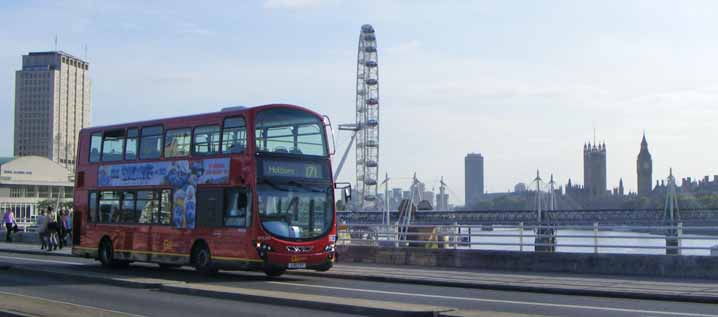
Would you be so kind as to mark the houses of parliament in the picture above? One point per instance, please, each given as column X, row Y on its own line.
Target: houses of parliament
column 594, row 192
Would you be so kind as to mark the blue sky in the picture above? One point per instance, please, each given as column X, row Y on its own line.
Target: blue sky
column 525, row 83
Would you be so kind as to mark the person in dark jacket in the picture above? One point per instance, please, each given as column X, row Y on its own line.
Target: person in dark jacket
column 52, row 228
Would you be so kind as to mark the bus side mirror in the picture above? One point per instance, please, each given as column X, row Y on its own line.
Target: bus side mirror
column 328, row 125
column 346, row 190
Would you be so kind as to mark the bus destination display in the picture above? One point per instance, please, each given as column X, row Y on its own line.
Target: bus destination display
column 274, row 168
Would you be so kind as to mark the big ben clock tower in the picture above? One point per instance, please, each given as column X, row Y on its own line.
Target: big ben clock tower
column 645, row 169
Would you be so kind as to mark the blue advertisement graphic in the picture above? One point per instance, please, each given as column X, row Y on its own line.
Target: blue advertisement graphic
column 183, row 176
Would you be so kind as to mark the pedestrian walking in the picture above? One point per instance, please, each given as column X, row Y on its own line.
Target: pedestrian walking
column 10, row 225
column 42, row 230
column 68, row 224
column 51, row 229
column 61, row 228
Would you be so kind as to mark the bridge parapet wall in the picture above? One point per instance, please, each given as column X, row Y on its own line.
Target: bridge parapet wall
column 581, row 263
column 575, row 217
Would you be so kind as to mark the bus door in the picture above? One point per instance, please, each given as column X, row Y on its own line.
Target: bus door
column 165, row 239
column 132, row 215
column 222, row 218
column 236, row 219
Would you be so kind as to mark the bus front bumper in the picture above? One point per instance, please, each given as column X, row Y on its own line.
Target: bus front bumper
column 312, row 261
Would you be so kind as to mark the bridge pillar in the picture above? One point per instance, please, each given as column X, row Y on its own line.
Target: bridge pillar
column 673, row 240
column 545, row 240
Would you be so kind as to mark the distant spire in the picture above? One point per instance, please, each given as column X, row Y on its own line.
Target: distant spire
column 594, row 136
column 643, row 141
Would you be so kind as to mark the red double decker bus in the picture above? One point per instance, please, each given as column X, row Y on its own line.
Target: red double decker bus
column 243, row 188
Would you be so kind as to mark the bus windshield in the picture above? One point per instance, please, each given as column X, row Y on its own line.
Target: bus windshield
column 284, row 130
column 295, row 211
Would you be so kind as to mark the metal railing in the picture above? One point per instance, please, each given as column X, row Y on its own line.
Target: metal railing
column 596, row 238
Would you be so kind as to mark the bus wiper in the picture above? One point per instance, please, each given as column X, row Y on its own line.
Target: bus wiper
column 271, row 184
column 298, row 184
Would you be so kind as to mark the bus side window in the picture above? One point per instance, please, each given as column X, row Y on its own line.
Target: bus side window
column 92, row 208
column 131, row 144
column 95, row 147
column 148, row 203
column 206, row 140
column 237, row 206
column 128, row 210
column 109, row 206
column 112, row 145
column 234, row 135
column 164, row 215
column 151, row 142
column 177, row 142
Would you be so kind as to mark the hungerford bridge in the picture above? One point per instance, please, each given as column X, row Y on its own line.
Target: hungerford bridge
column 694, row 217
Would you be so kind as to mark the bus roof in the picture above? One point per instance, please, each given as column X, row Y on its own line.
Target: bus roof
column 226, row 111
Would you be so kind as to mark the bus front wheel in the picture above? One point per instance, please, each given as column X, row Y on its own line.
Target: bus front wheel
column 202, row 260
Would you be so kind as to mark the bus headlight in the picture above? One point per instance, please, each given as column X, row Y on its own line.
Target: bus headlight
column 329, row 248
column 261, row 246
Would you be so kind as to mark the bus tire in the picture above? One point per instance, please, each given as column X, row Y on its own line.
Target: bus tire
column 104, row 253
column 202, row 259
column 274, row 272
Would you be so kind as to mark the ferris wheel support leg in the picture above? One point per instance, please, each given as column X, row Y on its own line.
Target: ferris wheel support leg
column 344, row 157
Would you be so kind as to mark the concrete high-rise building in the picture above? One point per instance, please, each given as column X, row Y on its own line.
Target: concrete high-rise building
column 594, row 169
column 442, row 201
column 473, row 178
column 644, row 168
column 52, row 104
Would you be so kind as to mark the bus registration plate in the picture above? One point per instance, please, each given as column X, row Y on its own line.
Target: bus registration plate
column 297, row 265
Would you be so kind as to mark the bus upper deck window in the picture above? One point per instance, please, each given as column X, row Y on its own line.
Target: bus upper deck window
column 112, row 145
column 293, row 131
column 234, row 135
column 95, row 146
column 206, row 140
column 131, row 144
column 177, row 142
column 151, row 142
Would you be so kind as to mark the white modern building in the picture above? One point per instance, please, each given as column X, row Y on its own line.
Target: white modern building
column 28, row 180
column 52, row 104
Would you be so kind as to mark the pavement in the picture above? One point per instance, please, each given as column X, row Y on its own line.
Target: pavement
column 391, row 290
column 25, row 295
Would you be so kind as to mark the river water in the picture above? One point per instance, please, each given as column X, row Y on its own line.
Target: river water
column 626, row 244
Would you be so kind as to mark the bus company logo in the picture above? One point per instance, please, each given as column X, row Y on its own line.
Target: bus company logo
column 298, row 258
column 167, row 245
column 298, row 249
column 311, row 171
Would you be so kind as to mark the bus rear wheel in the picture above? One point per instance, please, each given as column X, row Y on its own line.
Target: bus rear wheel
column 104, row 253
column 202, row 260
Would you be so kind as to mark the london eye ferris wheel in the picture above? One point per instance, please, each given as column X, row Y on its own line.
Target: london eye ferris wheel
column 366, row 127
